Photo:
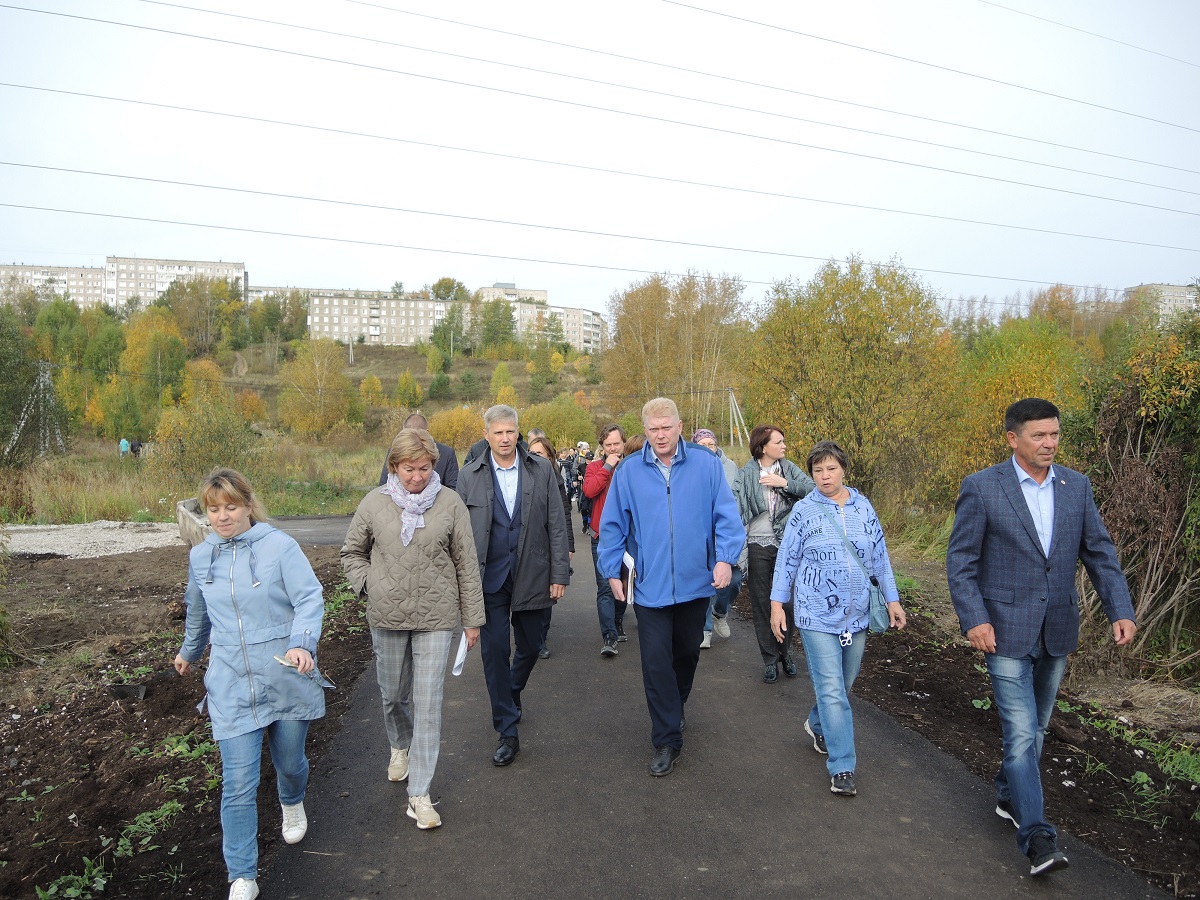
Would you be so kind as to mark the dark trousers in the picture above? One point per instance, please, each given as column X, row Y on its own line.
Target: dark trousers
column 669, row 639
column 505, row 683
column 762, row 571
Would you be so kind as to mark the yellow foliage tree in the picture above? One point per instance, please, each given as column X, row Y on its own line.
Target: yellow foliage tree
column 564, row 421
column 582, row 364
column 458, row 428
column 557, row 361
column 316, row 392
column 408, row 392
column 508, row 396
column 250, row 406
column 203, row 382
column 371, row 389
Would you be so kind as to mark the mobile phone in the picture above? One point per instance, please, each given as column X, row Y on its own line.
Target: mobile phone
column 283, row 661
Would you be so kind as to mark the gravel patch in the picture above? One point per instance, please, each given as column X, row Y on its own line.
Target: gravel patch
column 90, row 540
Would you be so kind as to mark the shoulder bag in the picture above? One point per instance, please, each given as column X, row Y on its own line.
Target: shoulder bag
column 878, row 621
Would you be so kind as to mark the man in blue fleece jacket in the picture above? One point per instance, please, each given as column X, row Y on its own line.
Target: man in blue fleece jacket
column 672, row 510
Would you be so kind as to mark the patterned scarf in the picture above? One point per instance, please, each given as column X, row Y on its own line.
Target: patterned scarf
column 412, row 506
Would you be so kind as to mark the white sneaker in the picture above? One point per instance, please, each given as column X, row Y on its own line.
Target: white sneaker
column 422, row 810
column 707, row 642
column 398, row 767
column 243, row 889
column 295, row 825
column 721, row 626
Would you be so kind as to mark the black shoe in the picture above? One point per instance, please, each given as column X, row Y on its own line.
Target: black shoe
column 843, row 784
column 1004, row 809
column 664, row 761
column 544, row 652
column 771, row 674
column 506, row 751
column 621, row 638
column 1044, row 855
column 789, row 667
column 610, row 647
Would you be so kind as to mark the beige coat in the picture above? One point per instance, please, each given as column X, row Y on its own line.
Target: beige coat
column 430, row 585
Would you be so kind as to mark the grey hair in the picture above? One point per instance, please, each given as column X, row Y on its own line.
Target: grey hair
column 499, row 413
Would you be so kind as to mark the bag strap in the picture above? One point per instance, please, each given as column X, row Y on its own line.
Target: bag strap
column 845, row 540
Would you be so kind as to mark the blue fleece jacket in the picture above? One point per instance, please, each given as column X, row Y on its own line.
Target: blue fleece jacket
column 682, row 530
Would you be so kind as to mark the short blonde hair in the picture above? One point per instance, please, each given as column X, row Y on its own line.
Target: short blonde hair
column 229, row 486
column 412, row 443
column 659, row 407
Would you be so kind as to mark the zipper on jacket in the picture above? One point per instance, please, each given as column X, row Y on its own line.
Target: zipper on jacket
column 671, row 532
column 242, row 637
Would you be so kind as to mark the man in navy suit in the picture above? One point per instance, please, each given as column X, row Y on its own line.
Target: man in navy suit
column 1020, row 528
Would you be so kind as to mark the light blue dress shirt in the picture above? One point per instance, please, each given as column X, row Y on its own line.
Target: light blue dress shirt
column 1040, row 500
column 666, row 470
column 508, row 481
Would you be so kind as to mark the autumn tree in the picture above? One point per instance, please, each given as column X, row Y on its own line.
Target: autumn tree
column 435, row 361
column 508, row 396
column 207, row 310
column 250, row 405
column 315, row 391
column 468, row 387
column 371, row 390
column 19, row 371
column 501, row 378
column 857, row 355
column 498, row 326
column 564, row 421
column 458, row 428
column 408, row 392
column 150, row 374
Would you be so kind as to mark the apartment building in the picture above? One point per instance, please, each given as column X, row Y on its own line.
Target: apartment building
column 583, row 329
column 379, row 317
column 122, row 278
column 1171, row 298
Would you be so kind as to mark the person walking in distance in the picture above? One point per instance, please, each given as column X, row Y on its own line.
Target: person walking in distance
column 718, row 609
column 672, row 500
column 520, row 535
column 596, row 479
column 1020, row 529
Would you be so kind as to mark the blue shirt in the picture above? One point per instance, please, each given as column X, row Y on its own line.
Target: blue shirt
column 507, row 479
column 1040, row 500
column 666, row 470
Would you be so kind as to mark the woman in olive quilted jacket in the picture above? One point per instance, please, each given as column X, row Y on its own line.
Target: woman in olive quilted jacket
column 410, row 553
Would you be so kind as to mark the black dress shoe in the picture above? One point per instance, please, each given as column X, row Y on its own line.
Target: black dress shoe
column 506, row 751
column 789, row 667
column 544, row 652
column 770, row 673
column 664, row 761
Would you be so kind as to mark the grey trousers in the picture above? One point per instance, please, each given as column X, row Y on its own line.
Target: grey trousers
column 411, row 668
column 762, row 571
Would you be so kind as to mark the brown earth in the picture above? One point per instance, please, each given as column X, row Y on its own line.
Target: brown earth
column 79, row 765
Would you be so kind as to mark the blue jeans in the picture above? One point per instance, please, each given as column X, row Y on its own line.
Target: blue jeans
column 723, row 599
column 1025, row 688
column 833, row 669
column 240, row 758
column 611, row 612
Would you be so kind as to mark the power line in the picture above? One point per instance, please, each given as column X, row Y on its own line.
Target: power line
column 596, row 108
column 773, row 87
column 1103, row 37
column 424, row 212
column 620, row 172
column 672, row 96
column 553, row 262
column 940, row 68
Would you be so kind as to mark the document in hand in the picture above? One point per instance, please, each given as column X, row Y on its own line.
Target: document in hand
column 628, row 576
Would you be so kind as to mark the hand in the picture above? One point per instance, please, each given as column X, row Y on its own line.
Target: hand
column 896, row 616
column 182, row 666
column 771, row 480
column 722, row 575
column 472, row 636
column 302, row 658
column 618, row 589
column 983, row 637
column 1123, row 631
column 556, row 591
column 612, row 459
column 778, row 620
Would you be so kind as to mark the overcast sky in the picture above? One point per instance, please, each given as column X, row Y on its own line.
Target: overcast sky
column 774, row 167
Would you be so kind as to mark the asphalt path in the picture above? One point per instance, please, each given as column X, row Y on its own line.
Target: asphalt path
column 746, row 812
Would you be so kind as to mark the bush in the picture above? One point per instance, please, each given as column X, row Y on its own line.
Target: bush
column 189, row 442
column 468, row 387
column 459, row 428
column 439, row 387
column 564, row 421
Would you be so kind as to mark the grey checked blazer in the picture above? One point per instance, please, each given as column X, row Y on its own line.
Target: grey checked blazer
column 999, row 574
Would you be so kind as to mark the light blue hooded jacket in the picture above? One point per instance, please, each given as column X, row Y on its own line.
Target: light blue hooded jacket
column 253, row 597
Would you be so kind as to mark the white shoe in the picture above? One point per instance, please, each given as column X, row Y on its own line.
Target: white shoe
column 721, row 626
column 243, row 889
column 422, row 810
column 707, row 642
column 295, row 826
column 398, row 767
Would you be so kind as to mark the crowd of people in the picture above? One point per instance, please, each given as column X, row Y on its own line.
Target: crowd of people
column 675, row 527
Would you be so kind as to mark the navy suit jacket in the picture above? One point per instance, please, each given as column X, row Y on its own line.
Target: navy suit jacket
column 998, row 572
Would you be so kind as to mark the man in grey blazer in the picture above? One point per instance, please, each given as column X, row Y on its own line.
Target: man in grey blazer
column 1020, row 529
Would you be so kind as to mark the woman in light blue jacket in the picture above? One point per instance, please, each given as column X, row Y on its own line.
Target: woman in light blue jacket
column 252, row 595
column 830, row 593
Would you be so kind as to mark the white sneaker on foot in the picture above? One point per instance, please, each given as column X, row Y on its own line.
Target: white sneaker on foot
column 295, row 824
column 243, row 889
column 721, row 626
column 398, row 766
column 707, row 642
column 421, row 809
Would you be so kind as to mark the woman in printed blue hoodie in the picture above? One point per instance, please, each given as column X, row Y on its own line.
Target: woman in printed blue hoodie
column 830, row 592
column 252, row 595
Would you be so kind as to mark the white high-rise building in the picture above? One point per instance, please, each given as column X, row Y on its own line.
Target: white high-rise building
column 122, row 278
column 1171, row 298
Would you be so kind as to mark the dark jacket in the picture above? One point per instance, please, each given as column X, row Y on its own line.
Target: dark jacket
column 999, row 574
column 446, row 467
column 542, row 550
column 748, row 493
